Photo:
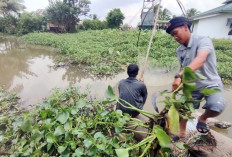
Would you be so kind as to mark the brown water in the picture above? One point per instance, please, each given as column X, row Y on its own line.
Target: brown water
column 29, row 71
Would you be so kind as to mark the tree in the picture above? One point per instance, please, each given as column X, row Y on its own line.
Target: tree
column 65, row 14
column 115, row 18
column 192, row 12
column 30, row 22
column 164, row 14
column 94, row 17
column 8, row 7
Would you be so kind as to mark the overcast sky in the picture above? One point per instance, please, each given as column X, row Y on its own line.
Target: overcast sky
column 132, row 8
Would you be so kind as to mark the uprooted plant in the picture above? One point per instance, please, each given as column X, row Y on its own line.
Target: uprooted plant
column 157, row 141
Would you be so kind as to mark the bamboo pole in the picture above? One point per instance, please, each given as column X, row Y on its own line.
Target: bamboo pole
column 150, row 42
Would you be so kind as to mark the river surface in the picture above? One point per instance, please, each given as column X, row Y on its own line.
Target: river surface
column 29, row 71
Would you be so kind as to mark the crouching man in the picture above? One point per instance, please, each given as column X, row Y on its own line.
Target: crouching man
column 132, row 91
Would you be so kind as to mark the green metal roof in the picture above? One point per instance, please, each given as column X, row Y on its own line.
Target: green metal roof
column 224, row 8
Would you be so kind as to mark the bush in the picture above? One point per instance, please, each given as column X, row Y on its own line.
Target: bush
column 30, row 22
column 94, row 25
column 8, row 24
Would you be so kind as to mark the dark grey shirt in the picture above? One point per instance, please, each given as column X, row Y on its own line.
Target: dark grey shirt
column 187, row 54
column 132, row 91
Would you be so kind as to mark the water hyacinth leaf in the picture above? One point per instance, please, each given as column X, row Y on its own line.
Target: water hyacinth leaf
column 61, row 149
column 81, row 104
column 36, row 136
column 188, row 89
column 92, row 151
column 157, row 128
column 200, row 76
column 44, row 114
column 73, row 112
column 118, row 129
column 27, row 125
column 63, row 116
column 104, row 113
column 107, row 102
column 188, row 75
column 164, row 139
column 109, row 94
column 50, row 138
column 190, row 107
column 73, row 145
column 68, row 126
column 163, row 93
column 181, row 145
column 87, row 143
column 111, row 51
column 59, row 131
column 79, row 151
column 173, row 120
column 208, row 91
column 122, row 152
column 98, row 135
column 118, row 113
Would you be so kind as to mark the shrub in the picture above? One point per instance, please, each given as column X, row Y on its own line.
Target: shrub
column 30, row 22
column 94, row 25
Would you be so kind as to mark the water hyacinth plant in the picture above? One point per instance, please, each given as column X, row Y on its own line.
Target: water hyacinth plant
column 175, row 108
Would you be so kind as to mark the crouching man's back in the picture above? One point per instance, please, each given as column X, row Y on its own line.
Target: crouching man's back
column 132, row 91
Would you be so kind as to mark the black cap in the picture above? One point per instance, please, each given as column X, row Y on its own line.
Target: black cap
column 177, row 22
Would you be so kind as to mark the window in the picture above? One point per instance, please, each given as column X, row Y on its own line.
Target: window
column 229, row 23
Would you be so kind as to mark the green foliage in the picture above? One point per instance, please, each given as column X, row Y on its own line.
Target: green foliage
column 107, row 51
column 155, row 135
column 62, row 126
column 8, row 24
column 115, row 18
column 192, row 12
column 30, row 22
column 66, row 14
column 164, row 14
column 7, row 7
column 94, row 25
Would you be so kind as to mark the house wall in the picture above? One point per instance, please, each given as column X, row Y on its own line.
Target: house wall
column 214, row 27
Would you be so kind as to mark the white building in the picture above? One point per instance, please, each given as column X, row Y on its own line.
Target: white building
column 215, row 23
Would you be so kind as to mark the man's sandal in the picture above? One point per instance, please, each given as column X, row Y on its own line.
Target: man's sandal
column 202, row 128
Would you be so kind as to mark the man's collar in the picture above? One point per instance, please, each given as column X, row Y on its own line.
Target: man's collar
column 182, row 47
column 132, row 78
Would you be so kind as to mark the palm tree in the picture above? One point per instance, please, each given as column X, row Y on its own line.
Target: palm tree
column 11, row 6
column 164, row 14
column 192, row 12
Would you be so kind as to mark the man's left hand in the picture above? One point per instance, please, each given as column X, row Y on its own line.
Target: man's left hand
column 141, row 79
column 176, row 83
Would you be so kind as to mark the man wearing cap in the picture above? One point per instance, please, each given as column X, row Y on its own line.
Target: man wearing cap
column 132, row 91
column 198, row 53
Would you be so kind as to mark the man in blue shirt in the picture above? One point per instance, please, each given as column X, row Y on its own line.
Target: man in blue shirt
column 132, row 91
column 197, row 53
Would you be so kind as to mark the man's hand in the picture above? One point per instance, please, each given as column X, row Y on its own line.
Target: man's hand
column 141, row 79
column 176, row 83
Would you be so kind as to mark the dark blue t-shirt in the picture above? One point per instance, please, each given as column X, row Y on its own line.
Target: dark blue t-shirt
column 132, row 91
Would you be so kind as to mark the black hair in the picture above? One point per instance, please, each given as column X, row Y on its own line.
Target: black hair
column 132, row 70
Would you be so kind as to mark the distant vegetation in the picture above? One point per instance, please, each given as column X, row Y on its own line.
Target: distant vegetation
column 61, row 17
column 106, row 51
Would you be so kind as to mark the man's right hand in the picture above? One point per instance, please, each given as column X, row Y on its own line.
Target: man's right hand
column 176, row 83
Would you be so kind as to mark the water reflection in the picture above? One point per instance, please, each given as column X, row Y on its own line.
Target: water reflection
column 6, row 45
